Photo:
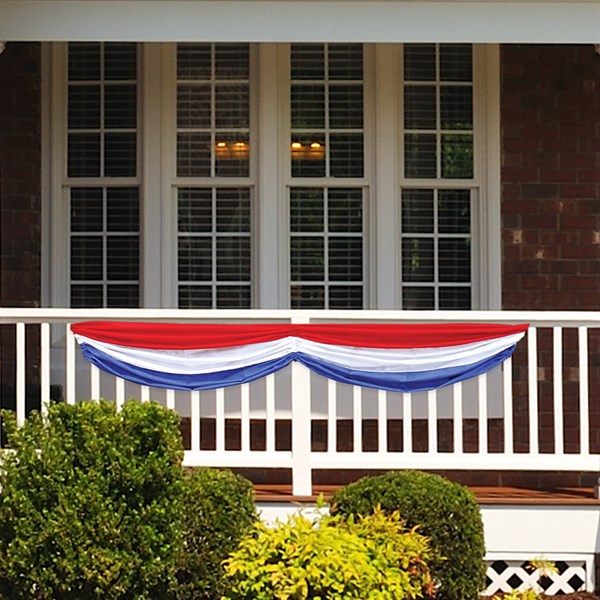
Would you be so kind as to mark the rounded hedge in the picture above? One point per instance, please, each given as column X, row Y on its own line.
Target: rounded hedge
column 444, row 511
column 90, row 503
column 219, row 510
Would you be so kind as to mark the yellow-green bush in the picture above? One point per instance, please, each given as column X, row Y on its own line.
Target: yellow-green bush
column 373, row 557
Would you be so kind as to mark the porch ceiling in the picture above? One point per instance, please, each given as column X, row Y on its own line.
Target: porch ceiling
column 493, row 21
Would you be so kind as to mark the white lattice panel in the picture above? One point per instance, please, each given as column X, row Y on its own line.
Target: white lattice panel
column 505, row 574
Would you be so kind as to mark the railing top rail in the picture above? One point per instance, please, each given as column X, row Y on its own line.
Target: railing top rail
column 9, row 315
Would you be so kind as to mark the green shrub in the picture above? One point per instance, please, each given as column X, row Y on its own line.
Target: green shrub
column 373, row 557
column 219, row 510
column 444, row 511
column 90, row 503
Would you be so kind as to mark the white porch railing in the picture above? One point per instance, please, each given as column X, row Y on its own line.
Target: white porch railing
column 534, row 413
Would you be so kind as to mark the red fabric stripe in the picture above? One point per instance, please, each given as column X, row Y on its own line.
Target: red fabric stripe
column 180, row 336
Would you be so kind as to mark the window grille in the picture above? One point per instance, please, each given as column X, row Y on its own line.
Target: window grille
column 327, row 137
column 214, row 247
column 326, row 247
column 213, row 110
column 102, row 150
column 436, row 215
column 214, row 250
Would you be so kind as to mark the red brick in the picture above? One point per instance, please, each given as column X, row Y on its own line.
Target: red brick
column 578, row 190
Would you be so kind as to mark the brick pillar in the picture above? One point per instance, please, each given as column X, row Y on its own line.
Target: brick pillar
column 550, row 116
column 550, row 119
column 20, row 175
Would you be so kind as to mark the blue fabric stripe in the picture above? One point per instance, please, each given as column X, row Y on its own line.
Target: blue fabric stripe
column 404, row 382
column 391, row 381
column 175, row 381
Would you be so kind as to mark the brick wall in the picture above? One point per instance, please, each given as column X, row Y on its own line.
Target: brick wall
column 20, row 175
column 551, row 177
column 550, row 116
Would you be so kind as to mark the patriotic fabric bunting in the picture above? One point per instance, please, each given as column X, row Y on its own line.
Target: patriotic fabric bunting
column 405, row 358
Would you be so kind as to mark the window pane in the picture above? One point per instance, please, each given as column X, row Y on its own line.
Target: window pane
column 306, row 209
column 83, row 155
column 419, row 62
column 346, row 297
column 123, row 209
column 122, row 260
column 232, row 61
column 454, row 211
column 86, row 209
column 193, row 106
column 84, row 61
column 307, row 296
column 120, row 106
column 308, row 155
column 193, row 155
column 232, row 155
column 417, row 259
column 420, row 155
column 233, row 296
column 345, row 259
column 456, row 110
column 120, row 151
column 122, row 296
column 194, row 259
column 456, row 62
column 86, row 258
column 84, row 106
column 194, row 210
column 419, row 107
column 454, row 260
column 418, row 298
column 232, row 106
column 455, row 298
column 345, row 210
column 307, row 258
column 345, row 61
column 308, row 106
column 346, row 107
column 346, row 154
column 195, row 296
column 193, row 61
column 233, row 259
column 417, row 211
column 457, row 156
column 308, row 61
column 86, row 296
column 233, row 210
column 120, row 61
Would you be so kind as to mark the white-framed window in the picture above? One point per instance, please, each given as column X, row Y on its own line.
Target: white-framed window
column 101, row 162
column 436, row 216
column 327, row 207
column 214, row 216
column 235, row 175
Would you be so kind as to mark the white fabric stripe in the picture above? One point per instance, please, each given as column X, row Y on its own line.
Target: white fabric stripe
column 407, row 359
column 365, row 359
column 189, row 362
